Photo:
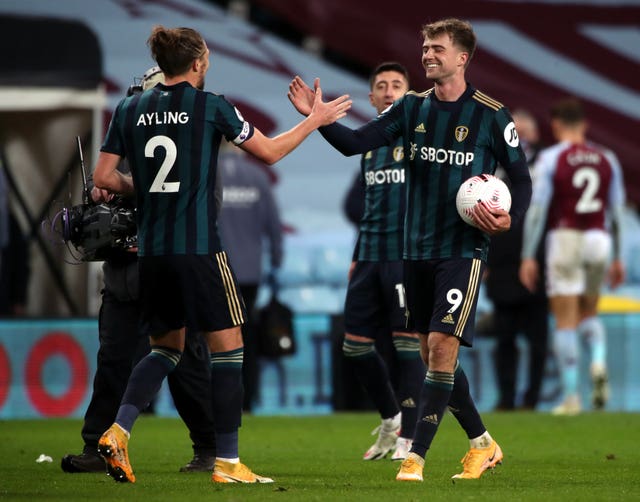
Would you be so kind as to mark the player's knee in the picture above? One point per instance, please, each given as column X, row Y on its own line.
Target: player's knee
column 224, row 340
column 442, row 358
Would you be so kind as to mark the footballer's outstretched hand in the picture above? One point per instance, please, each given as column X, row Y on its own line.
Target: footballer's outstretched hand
column 331, row 111
column 301, row 95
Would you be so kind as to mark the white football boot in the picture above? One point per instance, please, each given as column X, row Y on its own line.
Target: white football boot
column 570, row 406
column 387, row 432
column 403, row 445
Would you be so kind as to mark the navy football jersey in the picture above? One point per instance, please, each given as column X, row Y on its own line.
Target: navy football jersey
column 170, row 136
column 381, row 227
column 445, row 143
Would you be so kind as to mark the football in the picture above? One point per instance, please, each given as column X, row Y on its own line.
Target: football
column 485, row 187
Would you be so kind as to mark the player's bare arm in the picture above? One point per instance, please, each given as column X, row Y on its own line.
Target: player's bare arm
column 271, row 150
column 107, row 177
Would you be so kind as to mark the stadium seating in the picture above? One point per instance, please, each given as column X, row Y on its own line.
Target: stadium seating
column 313, row 275
column 331, row 263
column 312, row 299
column 631, row 246
column 297, row 266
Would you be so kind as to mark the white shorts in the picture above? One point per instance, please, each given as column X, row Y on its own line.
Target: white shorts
column 576, row 261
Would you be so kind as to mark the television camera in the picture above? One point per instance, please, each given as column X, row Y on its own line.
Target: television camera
column 97, row 231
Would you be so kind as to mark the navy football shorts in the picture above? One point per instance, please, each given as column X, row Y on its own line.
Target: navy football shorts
column 198, row 292
column 375, row 299
column 442, row 295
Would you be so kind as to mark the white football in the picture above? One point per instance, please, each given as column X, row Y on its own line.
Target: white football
column 485, row 187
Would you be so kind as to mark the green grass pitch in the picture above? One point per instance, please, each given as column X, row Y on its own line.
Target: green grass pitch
column 594, row 456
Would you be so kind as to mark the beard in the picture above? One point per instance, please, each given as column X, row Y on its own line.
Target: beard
column 200, row 84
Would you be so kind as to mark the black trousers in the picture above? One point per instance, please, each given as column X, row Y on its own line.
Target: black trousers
column 531, row 320
column 121, row 347
column 250, row 368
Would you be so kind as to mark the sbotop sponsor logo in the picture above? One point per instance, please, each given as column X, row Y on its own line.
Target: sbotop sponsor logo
column 384, row 176
column 441, row 156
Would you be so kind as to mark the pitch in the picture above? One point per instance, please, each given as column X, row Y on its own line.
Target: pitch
column 593, row 456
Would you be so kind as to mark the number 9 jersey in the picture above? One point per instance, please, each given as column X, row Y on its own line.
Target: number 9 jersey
column 170, row 136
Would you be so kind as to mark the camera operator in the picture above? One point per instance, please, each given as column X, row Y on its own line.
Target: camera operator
column 122, row 345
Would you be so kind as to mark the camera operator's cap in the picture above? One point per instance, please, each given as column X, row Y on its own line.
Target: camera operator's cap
column 152, row 77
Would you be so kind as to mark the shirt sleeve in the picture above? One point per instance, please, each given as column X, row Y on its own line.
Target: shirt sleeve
column 231, row 122
column 381, row 131
column 113, row 141
column 617, row 199
column 536, row 218
column 353, row 203
column 508, row 152
column 617, row 194
column 353, row 141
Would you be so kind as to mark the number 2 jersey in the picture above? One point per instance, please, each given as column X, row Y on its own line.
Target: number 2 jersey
column 170, row 136
column 576, row 186
column 578, row 183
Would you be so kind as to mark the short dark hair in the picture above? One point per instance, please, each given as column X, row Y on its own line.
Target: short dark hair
column 461, row 33
column 568, row 111
column 175, row 49
column 388, row 66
